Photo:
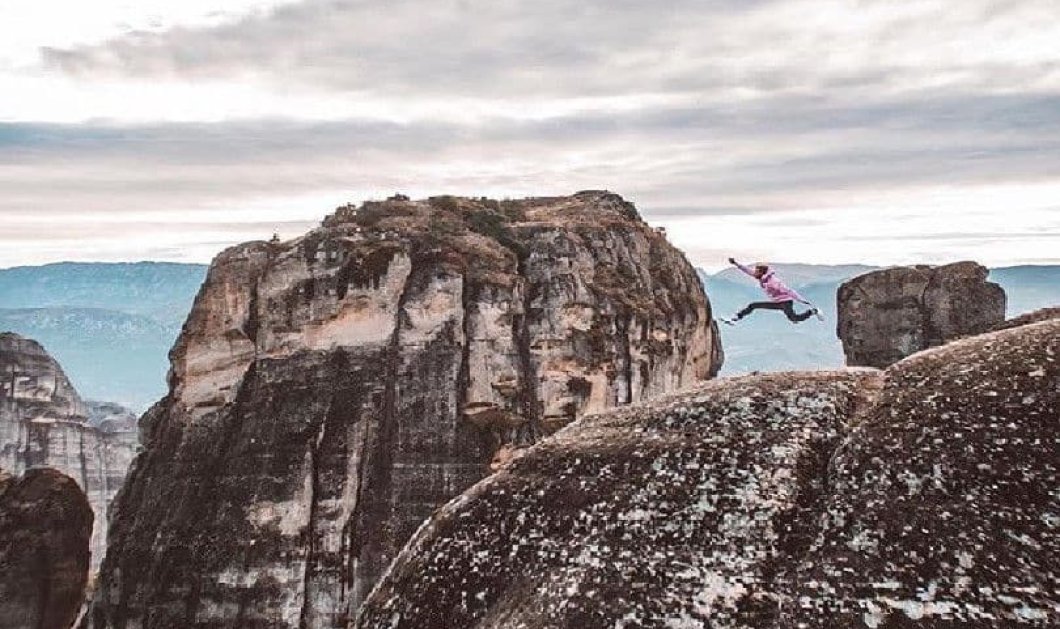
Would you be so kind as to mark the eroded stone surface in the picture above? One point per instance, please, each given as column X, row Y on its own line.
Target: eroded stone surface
column 44, row 423
column 945, row 500
column 45, row 527
column 922, row 497
column 887, row 315
column 328, row 393
column 672, row 513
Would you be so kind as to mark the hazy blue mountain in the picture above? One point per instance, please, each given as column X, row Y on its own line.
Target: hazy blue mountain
column 1029, row 287
column 801, row 274
column 159, row 290
column 110, row 325
column 768, row 342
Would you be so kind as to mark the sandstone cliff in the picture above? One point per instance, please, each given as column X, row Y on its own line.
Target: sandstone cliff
column 328, row 393
column 44, row 423
column 921, row 496
column 887, row 315
column 45, row 526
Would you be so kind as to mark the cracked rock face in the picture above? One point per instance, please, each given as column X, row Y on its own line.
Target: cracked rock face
column 887, row 315
column 45, row 526
column 922, row 496
column 329, row 393
column 44, row 423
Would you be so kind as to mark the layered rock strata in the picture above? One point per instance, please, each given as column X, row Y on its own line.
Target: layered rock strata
column 923, row 496
column 45, row 527
column 45, row 423
column 328, row 393
column 887, row 315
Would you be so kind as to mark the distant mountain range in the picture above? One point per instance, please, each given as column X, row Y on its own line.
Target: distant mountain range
column 111, row 325
column 771, row 343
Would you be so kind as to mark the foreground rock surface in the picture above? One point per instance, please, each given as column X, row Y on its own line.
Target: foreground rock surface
column 887, row 315
column 45, row 526
column 45, row 423
column 944, row 499
column 923, row 496
column 328, row 393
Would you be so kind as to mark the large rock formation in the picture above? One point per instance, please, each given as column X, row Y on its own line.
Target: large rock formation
column 328, row 393
column 921, row 496
column 887, row 315
column 45, row 526
column 44, row 423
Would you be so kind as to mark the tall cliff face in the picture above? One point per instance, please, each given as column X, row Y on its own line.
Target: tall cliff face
column 887, row 315
column 45, row 526
column 44, row 423
column 923, row 496
column 327, row 394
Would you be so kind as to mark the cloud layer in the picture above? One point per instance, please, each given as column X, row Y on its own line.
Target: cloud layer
column 744, row 124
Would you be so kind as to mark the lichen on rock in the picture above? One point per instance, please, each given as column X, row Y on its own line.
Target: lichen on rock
column 921, row 496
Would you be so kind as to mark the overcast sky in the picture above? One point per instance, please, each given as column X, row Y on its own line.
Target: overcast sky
column 879, row 131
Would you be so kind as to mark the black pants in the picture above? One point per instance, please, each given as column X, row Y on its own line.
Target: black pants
column 788, row 307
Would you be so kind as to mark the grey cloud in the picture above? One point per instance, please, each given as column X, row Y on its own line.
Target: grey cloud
column 514, row 50
column 728, row 133
column 959, row 236
column 678, row 159
column 444, row 46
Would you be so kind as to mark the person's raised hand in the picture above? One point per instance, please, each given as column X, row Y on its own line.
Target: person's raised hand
column 732, row 260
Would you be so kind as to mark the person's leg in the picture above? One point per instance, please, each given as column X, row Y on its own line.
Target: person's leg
column 758, row 305
column 789, row 310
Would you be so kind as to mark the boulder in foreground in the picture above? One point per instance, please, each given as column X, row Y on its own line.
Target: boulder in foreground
column 45, row 526
column 924, row 496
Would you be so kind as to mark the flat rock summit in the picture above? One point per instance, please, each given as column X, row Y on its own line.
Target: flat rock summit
column 327, row 394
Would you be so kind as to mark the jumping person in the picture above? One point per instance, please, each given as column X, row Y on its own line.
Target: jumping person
column 781, row 296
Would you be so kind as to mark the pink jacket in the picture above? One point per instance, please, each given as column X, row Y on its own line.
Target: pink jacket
column 771, row 284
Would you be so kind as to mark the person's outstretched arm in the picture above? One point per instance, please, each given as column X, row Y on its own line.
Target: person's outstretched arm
column 746, row 269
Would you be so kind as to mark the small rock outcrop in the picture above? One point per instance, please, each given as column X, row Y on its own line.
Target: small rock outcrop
column 921, row 496
column 45, row 526
column 327, row 394
column 45, row 423
column 887, row 315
